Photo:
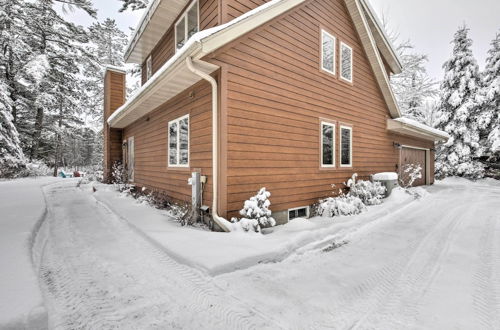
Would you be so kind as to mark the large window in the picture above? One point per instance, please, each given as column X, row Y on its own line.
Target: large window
column 345, row 146
column 327, row 52
column 178, row 142
column 130, row 158
column 187, row 25
column 149, row 68
column 345, row 62
column 327, row 144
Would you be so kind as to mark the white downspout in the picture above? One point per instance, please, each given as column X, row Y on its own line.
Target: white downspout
column 223, row 223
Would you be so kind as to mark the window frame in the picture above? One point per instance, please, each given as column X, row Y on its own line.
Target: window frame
column 149, row 67
column 343, row 44
column 178, row 120
column 298, row 208
column 184, row 17
column 131, row 154
column 334, row 142
column 334, row 72
column 342, row 126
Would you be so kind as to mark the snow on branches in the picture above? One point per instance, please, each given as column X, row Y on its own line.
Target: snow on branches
column 256, row 213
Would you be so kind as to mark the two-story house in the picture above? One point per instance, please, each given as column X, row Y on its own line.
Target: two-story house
column 291, row 95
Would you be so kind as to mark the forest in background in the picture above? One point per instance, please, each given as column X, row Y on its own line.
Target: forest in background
column 51, row 91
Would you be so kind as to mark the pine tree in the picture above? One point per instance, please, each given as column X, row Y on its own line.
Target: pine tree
column 11, row 154
column 488, row 102
column 109, row 42
column 458, row 114
column 134, row 4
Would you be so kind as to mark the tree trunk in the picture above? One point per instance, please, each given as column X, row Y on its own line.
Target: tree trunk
column 58, row 151
column 37, row 134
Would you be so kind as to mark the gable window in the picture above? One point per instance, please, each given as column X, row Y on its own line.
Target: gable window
column 131, row 158
column 187, row 25
column 345, row 62
column 178, row 142
column 327, row 144
column 345, row 146
column 149, row 68
column 327, row 52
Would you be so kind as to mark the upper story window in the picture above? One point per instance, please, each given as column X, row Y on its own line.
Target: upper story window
column 328, row 52
column 149, row 68
column 327, row 144
column 345, row 62
column 187, row 25
column 178, row 142
column 345, row 146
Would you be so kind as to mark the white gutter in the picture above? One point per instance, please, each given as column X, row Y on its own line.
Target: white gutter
column 223, row 223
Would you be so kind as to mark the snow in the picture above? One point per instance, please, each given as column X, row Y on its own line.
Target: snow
column 21, row 207
column 385, row 176
column 423, row 127
column 104, row 261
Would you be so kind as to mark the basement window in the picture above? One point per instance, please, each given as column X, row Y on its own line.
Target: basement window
column 187, row 25
column 328, row 52
column 178, row 142
column 299, row 212
column 327, row 144
column 345, row 62
column 345, row 146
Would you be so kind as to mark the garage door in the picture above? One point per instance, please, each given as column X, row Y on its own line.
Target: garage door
column 411, row 156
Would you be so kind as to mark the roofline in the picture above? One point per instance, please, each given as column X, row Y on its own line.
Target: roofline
column 404, row 127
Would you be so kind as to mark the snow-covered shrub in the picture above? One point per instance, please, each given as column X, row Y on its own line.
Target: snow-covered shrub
column 370, row 193
column 256, row 214
column 412, row 172
column 341, row 205
column 119, row 178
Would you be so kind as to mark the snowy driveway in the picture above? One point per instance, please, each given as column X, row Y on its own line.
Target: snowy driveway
column 433, row 264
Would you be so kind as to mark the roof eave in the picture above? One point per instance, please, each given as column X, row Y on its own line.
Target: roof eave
column 407, row 129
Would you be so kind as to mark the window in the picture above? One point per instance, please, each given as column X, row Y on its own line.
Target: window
column 327, row 144
column 345, row 146
column 130, row 158
column 178, row 142
column 149, row 68
column 300, row 212
column 346, row 62
column 327, row 52
column 187, row 25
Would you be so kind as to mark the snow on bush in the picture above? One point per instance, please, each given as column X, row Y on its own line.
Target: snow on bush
column 341, row 205
column 370, row 193
column 412, row 172
column 256, row 213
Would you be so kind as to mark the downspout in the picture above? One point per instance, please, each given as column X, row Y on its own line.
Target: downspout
column 223, row 223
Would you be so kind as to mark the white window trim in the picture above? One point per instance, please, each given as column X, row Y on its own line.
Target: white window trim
column 177, row 120
column 323, row 32
column 131, row 177
column 334, row 142
column 149, row 67
column 350, row 146
column 298, row 208
column 183, row 16
column 342, row 44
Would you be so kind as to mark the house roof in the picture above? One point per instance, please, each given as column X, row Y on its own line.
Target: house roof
column 174, row 76
column 412, row 127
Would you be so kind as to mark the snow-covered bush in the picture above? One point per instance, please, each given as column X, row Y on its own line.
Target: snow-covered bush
column 256, row 214
column 412, row 172
column 370, row 193
column 341, row 205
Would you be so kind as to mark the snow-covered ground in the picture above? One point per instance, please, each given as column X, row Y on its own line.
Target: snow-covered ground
column 105, row 261
column 22, row 206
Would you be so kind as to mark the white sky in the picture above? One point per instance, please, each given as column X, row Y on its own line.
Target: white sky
column 429, row 24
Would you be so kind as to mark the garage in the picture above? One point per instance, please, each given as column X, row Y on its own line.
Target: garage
column 413, row 156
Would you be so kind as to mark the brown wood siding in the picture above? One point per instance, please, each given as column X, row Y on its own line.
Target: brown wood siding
column 151, row 137
column 165, row 48
column 236, row 8
column 276, row 98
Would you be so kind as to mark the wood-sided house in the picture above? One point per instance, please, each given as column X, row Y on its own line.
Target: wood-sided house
column 291, row 95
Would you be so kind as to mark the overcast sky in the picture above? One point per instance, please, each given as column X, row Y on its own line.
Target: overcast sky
column 429, row 24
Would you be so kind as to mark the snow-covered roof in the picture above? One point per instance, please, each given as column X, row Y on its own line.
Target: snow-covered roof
column 414, row 128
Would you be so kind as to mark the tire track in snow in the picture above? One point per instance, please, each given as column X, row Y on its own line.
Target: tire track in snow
column 88, row 284
column 485, row 304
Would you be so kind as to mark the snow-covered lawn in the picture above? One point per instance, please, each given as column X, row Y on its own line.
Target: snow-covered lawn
column 105, row 261
column 21, row 207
